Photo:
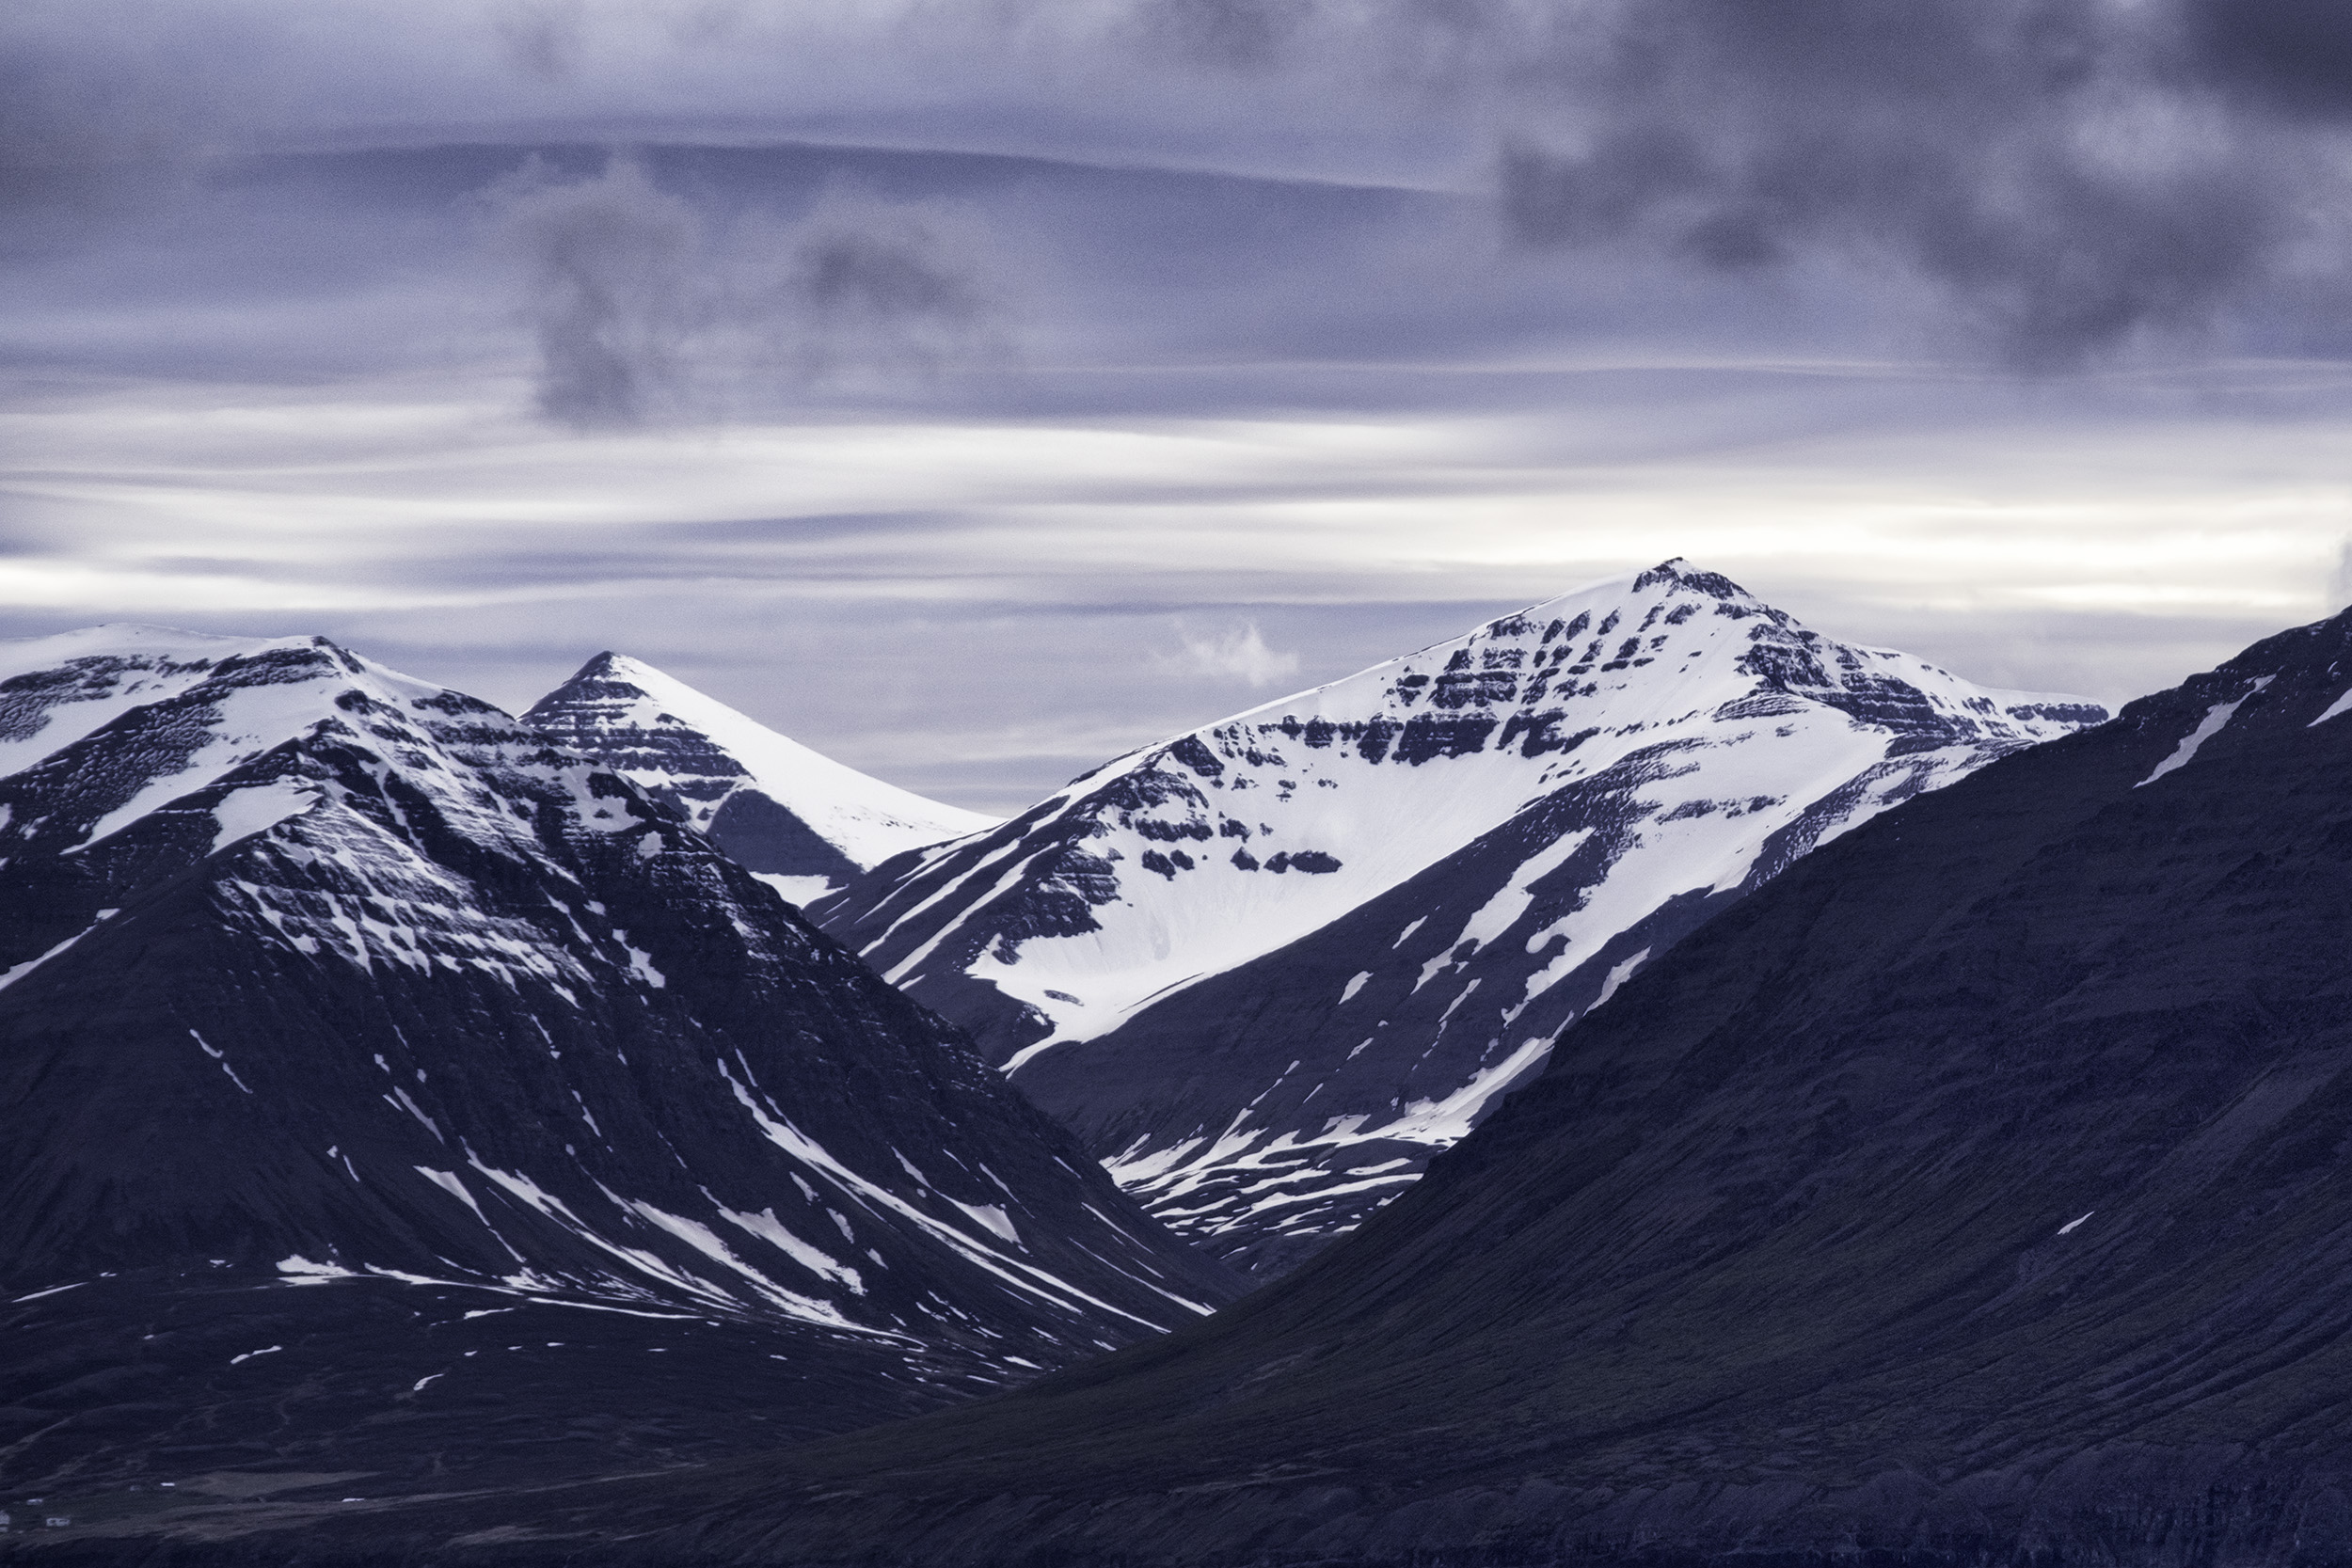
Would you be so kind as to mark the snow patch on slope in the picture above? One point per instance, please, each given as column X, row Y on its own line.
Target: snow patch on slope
column 1249, row 834
column 243, row 813
column 2217, row 718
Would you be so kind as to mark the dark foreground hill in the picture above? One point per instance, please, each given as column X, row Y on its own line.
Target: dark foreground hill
column 1976, row 1193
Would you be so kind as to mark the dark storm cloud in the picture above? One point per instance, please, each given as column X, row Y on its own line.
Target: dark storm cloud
column 611, row 265
column 2294, row 55
column 2072, row 173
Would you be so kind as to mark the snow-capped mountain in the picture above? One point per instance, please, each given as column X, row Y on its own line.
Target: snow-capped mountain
column 1267, row 968
column 807, row 824
column 315, row 977
column 1975, row 1192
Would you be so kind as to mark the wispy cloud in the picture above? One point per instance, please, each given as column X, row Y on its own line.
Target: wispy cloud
column 879, row 295
column 649, row 311
column 1239, row 653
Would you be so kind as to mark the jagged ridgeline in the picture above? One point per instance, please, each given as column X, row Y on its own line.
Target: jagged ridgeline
column 1266, row 969
column 373, row 1066
column 1974, row 1192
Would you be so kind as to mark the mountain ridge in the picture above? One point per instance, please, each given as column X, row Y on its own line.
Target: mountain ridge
column 321, row 983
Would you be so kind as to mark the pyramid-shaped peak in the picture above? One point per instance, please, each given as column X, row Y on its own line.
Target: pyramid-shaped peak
column 781, row 808
column 1194, row 952
column 606, row 666
column 617, row 691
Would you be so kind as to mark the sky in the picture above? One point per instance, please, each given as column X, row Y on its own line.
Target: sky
column 978, row 390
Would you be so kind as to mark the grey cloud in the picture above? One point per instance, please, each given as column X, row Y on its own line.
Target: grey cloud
column 878, row 294
column 652, row 309
column 2061, row 168
column 1247, row 35
column 2292, row 56
column 611, row 265
column 542, row 38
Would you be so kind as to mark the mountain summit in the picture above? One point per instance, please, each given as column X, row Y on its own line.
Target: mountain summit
column 806, row 823
column 1267, row 968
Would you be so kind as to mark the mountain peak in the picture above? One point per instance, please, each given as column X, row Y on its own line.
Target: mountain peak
column 219, row 701
column 1677, row 570
column 1316, row 940
column 609, row 665
column 804, row 822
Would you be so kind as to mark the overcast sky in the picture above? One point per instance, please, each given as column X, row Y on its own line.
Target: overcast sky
column 977, row 389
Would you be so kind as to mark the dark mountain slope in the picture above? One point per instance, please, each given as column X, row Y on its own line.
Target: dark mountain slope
column 355, row 997
column 1976, row 1191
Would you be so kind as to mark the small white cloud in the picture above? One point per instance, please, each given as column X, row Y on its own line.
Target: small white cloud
column 1241, row 653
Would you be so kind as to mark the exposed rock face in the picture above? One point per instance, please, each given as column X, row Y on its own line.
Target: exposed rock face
column 350, row 998
column 1267, row 969
column 807, row 824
